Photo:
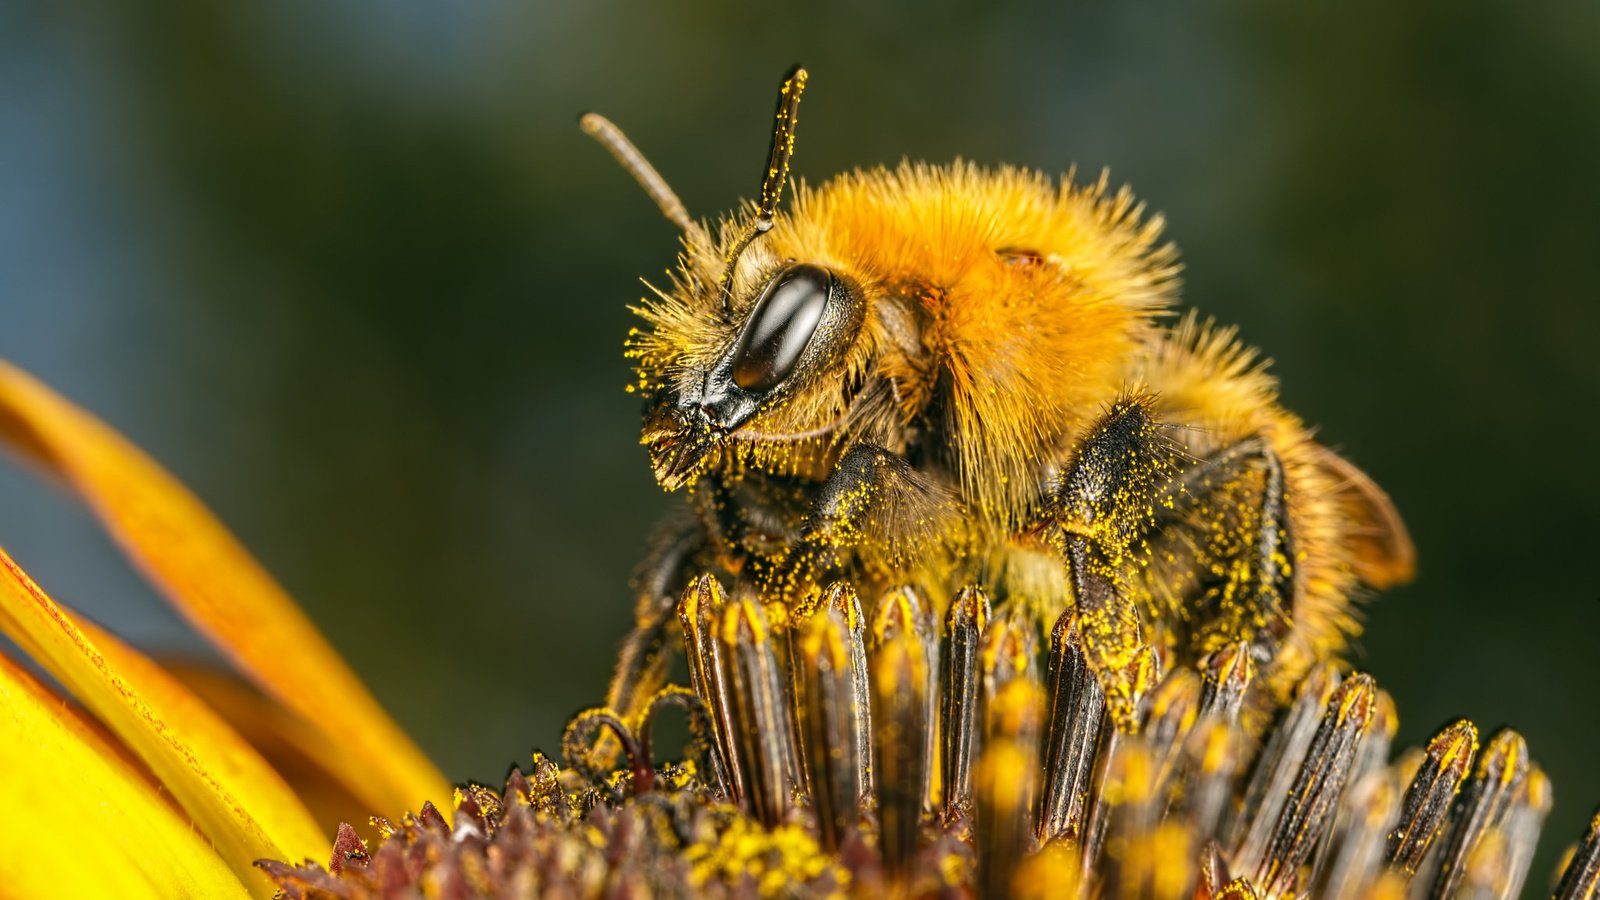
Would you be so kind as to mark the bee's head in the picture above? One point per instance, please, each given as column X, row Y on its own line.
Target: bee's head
column 762, row 368
column 742, row 347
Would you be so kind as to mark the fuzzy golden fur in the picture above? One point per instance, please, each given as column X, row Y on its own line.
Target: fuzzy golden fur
column 1005, row 311
column 1022, row 353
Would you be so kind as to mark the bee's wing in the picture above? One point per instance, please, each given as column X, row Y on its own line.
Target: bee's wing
column 1382, row 552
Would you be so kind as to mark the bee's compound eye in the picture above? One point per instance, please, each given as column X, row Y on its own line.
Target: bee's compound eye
column 780, row 326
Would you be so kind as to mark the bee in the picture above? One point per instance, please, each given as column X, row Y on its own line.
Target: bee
column 938, row 376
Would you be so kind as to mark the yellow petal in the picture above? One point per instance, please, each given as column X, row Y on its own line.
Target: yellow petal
column 300, row 755
column 221, row 589
column 78, row 820
column 223, row 754
column 193, row 754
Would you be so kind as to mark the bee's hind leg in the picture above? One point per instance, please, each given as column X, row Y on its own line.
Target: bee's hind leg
column 1100, row 516
column 1224, row 553
column 1149, row 534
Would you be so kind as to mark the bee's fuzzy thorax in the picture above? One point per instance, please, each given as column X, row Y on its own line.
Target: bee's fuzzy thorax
column 1030, row 288
column 1019, row 286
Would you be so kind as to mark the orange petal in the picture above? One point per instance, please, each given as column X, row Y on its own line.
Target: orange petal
column 221, row 589
column 233, row 796
column 78, row 820
column 223, row 753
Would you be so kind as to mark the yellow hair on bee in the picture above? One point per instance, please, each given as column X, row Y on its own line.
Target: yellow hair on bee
column 1023, row 287
column 1052, row 316
column 939, row 376
column 1004, row 312
column 1203, row 376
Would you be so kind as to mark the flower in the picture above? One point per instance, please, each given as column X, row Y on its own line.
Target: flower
column 147, row 790
column 848, row 754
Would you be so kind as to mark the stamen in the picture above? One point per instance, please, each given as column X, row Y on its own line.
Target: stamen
column 1005, row 782
column 1427, row 801
column 973, row 788
column 1485, row 803
column 1355, row 854
column 1077, row 712
column 1225, row 677
column 900, row 706
column 965, row 624
column 832, row 742
column 761, row 735
column 1276, row 768
column 1309, row 810
column 700, row 612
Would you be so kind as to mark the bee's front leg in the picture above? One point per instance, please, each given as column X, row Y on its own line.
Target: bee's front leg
column 1099, row 516
column 643, row 660
column 876, row 507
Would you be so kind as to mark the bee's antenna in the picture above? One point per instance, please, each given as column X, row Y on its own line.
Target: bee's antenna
column 782, row 150
column 775, row 174
column 611, row 137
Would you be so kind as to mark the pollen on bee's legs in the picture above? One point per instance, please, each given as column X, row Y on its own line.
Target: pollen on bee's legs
column 1109, row 625
column 1136, row 679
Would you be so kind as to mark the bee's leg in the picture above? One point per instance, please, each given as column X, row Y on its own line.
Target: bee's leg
column 1223, row 556
column 874, row 503
column 645, row 655
column 1147, row 533
column 1099, row 517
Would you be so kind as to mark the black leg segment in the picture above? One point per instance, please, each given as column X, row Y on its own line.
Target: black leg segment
column 1223, row 552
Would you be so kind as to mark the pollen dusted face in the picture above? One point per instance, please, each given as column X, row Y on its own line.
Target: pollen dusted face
column 722, row 366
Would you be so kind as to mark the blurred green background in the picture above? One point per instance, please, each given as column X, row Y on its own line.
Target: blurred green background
column 351, row 271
